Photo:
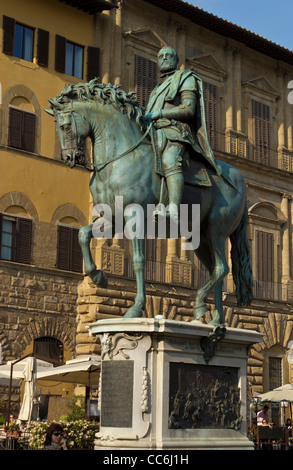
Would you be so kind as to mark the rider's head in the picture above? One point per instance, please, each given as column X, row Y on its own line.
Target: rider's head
column 167, row 59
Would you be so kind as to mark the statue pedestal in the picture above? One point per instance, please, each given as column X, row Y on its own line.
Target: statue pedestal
column 160, row 391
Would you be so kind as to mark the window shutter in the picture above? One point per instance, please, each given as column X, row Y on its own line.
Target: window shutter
column 261, row 119
column 265, row 250
column 15, row 126
column 145, row 78
column 210, row 103
column 60, row 53
column 28, row 132
column 69, row 254
column 0, row 233
column 76, row 253
column 23, row 240
column 63, row 248
column 22, row 130
column 8, row 35
column 93, row 62
column 43, row 47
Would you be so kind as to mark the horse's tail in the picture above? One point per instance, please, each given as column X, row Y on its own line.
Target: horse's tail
column 241, row 264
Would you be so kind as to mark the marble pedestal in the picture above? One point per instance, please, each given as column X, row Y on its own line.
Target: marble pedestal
column 158, row 390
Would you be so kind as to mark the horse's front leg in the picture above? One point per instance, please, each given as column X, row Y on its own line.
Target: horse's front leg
column 97, row 276
column 138, row 259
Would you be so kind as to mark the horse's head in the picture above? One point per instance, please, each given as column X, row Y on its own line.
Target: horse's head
column 73, row 128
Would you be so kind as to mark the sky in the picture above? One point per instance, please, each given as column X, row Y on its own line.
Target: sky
column 270, row 19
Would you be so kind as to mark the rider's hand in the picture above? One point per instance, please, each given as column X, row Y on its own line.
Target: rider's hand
column 148, row 118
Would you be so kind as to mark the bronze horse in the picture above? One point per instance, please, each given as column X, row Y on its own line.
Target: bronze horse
column 123, row 164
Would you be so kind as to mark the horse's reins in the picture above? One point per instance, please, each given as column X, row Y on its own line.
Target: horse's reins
column 100, row 166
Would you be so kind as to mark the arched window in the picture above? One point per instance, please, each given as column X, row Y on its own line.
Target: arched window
column 49, row 347
column 21, row 119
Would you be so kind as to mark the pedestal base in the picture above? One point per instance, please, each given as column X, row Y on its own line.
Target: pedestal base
column 159, row 390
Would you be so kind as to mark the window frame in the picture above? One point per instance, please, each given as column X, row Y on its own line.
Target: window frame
column 72, row 64
column 22, row 238
column 24, row 28
column 13, row 234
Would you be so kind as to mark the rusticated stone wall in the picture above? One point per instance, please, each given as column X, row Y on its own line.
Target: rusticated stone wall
column 35, row 302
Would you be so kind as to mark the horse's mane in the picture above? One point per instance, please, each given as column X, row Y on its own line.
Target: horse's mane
column 105, row 94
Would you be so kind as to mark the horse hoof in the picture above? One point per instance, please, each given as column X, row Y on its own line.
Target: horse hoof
column 217, row 319
column 133, row 312
column 99, row 278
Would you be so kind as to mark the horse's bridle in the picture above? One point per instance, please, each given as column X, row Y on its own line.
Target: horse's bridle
column 79, row 149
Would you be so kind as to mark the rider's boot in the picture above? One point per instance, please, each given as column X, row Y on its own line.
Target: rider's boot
column 175, row 184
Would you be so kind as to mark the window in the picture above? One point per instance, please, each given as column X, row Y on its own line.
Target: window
column 74, row 60
column 262, row 132
column 48, row 347
column 21, row 129
column 210, row 103
column 275, row 372
column 265, row 265
column 69, row 58
column 18, row 40
column 69, row 255
column 23, row 42
column 15, row 238
column 145, row 78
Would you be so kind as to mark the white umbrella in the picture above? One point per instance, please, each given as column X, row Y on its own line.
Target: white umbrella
column 29, row 391
column 84, row 370
column 18, row 371
column 285, row 392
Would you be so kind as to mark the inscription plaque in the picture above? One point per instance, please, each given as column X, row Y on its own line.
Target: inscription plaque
column 203, row 397
column 117, row 394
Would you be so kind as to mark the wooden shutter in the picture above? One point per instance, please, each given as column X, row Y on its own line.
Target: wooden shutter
column 145, row 78
column 43, row 47
column 265, row 250
column 23, row 240
column 8, row 35
column 63, row 248
column 0, row 233
column 76, row 253
column 69, row 255
column 262, row 137
column 28, row 132
column 60, row 53
column 210, row 103
column 15, row 127
column 22, row 130
column 93, row 62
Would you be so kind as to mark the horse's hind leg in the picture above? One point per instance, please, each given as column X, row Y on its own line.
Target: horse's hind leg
column 204, row 255
column 97, row 276
column 136, row 310
column 219, row 269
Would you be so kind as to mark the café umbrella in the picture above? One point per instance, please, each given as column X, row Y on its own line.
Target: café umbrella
column 84, row 370
column 283, row 393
